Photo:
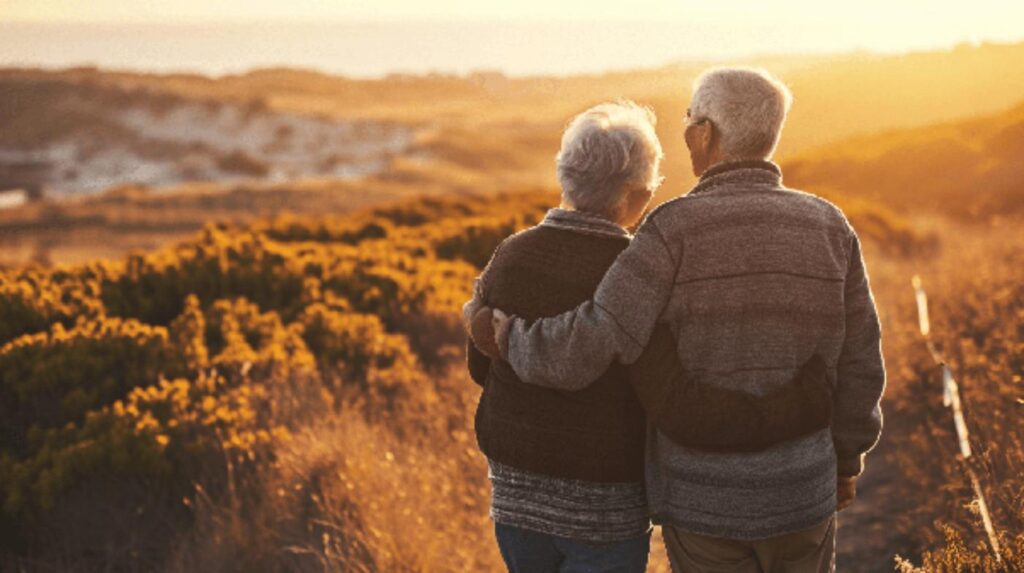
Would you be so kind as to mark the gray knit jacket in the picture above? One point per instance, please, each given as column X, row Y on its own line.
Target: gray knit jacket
column 753, row 279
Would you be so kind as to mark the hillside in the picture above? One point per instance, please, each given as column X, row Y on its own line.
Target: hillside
column 91, row 136
column 970, row 169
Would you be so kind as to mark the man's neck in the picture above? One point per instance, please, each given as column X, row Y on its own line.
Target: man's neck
column 725, row 163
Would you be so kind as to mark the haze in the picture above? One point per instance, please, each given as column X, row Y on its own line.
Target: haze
column 519, row 38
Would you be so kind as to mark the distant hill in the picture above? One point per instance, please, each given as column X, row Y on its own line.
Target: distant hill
column 971, row 169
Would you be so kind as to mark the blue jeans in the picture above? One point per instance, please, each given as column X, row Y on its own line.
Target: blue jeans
column 526, row 551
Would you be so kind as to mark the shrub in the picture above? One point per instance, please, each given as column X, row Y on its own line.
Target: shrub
column 52, row 378
column 196, row 364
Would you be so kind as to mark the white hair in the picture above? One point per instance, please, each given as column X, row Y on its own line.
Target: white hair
column 607, row 151
column 747, row 106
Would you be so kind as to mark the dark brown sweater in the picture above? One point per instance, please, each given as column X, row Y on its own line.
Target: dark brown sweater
column 596, row 434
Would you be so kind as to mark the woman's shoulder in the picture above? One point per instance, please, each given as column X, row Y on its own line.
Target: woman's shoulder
column 541, row 236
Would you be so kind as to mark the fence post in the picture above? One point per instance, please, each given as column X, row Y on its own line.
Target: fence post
column 951, row 399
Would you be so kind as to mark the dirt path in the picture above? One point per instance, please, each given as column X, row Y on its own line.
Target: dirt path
column 868, row 538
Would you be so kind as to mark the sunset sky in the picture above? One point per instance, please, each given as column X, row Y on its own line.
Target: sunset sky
column 941, row 20
column 520, row 37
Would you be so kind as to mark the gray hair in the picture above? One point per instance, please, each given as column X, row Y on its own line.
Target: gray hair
column 747, row 106
column 607, row 150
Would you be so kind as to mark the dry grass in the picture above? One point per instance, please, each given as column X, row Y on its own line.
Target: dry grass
column 977, row 318
column 352, row 491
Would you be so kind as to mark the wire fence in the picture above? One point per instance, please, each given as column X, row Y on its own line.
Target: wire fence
column 951, row 399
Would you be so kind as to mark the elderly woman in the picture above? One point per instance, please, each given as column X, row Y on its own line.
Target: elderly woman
column 567, row 467
column 755, row 280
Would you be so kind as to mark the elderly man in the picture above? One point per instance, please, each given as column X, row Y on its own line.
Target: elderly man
column 754, row 280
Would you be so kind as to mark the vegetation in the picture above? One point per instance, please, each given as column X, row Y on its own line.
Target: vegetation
column 190, row 373
column 978, row 324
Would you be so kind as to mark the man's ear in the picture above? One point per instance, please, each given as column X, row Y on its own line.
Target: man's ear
column 709, row 136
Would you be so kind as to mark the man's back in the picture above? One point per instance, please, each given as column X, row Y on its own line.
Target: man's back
column 760, row 282
column 759, row 290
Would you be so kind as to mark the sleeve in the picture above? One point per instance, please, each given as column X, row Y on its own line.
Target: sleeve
column 857, row 422
column 478, row 363
column 479, row 299
column 571, row 350
column 472, row 306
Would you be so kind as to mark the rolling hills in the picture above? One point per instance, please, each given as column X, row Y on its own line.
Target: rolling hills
column 971, row 169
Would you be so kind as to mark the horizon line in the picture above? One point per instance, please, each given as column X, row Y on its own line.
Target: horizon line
column 752, row 58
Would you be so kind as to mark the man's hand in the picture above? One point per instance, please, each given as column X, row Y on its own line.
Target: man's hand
column 501, row 323
column 488, row 328
column 481, row 331
column 846, row 490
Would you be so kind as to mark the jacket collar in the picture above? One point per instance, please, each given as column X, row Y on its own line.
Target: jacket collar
column 744, row 172
column 580, row 222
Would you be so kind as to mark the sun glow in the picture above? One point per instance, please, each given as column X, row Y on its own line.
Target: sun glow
column 822, row 27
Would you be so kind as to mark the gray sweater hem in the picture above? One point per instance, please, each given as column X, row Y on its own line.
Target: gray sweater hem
column 718, row 529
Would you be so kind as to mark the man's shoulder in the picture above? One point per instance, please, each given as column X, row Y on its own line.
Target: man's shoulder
column 820, row 206
column 669, row 209
column 665, row 207
column 692, row 206
column 684, row 204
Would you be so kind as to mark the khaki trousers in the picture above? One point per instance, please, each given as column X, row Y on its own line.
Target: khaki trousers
column 811, row 550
